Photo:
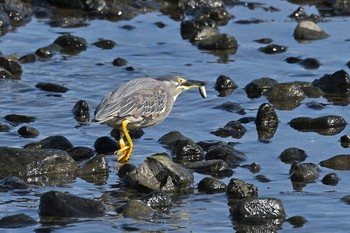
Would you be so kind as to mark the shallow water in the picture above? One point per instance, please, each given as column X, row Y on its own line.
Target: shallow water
column 153, row 51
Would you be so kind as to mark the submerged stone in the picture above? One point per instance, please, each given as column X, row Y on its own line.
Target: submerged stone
column 137, row 209
column 231, row 107
column 105, row 44
column 19, row 118
column 12, row 182
column 52, row 142
column 17, row 221
column 337, row 162
column 58, row 204
column 53, row 87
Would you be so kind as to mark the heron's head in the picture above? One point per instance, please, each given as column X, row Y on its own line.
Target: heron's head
column 176, row 85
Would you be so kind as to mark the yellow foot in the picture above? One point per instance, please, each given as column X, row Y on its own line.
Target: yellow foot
column 126, row 153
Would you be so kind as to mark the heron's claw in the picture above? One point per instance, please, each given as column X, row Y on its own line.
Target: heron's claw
column 126, row 153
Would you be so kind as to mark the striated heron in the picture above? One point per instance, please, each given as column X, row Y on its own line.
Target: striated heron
column 140, row 103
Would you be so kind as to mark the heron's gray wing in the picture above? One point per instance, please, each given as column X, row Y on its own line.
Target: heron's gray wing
column 143, row 103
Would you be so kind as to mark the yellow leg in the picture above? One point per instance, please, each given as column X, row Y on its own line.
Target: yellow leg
column 125, row 149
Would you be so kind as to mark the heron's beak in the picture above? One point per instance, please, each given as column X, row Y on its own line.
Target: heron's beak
column 194, row 84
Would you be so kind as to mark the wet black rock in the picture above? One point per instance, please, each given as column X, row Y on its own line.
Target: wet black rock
column 159, row 172
column 253, row 167
column 96, row 165
column 157, row 199
column 81, row 111
column 293, row 60
column 220, row 41
column 285, row 96
column 262, row 178
column 53, row 87
column 326, row 125
column 292, row 154
column 28, row 132
column 345, row 141
column 226, row 153
column 209, row 13
column 51, row 142
column 211, row 185
column 134, row 133
column 160, row 24
column 310, row 90
column 58, row 204
column 337, row 83
column 251, row 209
column 12, row 182
column 297, row 221
column 266, row 122
column 5, row 74
column 47, row 52
column 80, row 153
column 4, row 127
column 231, row 107
column 105, row 44
column 203, row 33
column 331, row 179
column 225, row 85
column 300, row 15
column 32, row 162
column 273, row 49
column 346, row 199
column 308, row 30
column 240, row 189
column 215, row 167
column 259, row 87
column 264, row 41
column 17, row 221
column 11, row 65
column 233, row 129
column 71, row 44
column 29, row 58
column 337, row 7
column 139, row 210
column 337, row 162
column 189, row 27
column 125, row 168
column 315, row 105
column 119, row 61
column 310, row 63
column 19, row 118
column 106, row 145
column 303, row 172
column 184, row 149
column 5, row 22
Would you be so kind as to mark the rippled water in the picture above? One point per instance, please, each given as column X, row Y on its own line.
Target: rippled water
column 153, row 51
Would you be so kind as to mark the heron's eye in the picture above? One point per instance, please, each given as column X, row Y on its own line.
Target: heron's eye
column 181, row 80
